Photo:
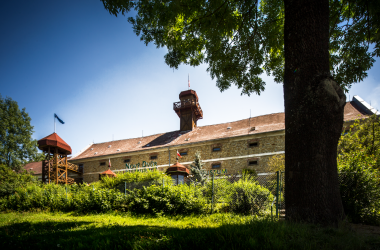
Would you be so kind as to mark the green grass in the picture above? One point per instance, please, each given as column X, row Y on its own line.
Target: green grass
column 39, row 230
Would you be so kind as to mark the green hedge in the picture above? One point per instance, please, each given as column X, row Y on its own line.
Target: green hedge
column 243, row 196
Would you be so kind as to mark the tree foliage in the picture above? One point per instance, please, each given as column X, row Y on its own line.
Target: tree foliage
column 16, row 144
column 276, row 163
column 361, row 144
column 359, row 171
column 199, row 175
column 240, row 40
column 10, row 180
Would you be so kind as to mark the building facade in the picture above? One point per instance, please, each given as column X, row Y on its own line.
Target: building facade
column 225, row 148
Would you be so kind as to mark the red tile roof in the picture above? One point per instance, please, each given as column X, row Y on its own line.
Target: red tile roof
column 35, row 167
column 109, row 173
column 178, row 167
column 254, row 125
column 54, row 140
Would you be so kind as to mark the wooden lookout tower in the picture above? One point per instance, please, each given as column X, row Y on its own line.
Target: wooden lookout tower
column 55, row 166
column 188, row 110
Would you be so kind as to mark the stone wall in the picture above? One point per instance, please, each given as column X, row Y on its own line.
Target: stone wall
column 234, row 155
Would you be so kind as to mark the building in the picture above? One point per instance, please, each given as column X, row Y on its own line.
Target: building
column 225, row 148
column 35, row 168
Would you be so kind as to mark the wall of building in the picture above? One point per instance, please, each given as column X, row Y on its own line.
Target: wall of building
column 233, row 157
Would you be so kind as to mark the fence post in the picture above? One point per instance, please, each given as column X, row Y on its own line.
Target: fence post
column 125, row 188
column 277, row 191
column 279, row 194
column 212, row 194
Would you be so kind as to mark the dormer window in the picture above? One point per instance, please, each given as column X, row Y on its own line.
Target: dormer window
column 216, row 149
column 103, row 163
column 153, row 157
column 183, row 153
column 127, row 160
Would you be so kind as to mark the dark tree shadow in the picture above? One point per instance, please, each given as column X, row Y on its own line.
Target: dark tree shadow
column 259, row 234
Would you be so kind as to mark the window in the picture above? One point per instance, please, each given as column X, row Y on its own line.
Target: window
column 250, row 163
column 153, row 157
column 81, row 168
column 183, row 153
column 103, row 163
column 127, row 160
column 178, row 179
column 216, row 149
column 253, row 144
column 216, row 165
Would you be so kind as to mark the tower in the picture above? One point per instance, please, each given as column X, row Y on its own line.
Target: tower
column 55, row 166
column 188, row 110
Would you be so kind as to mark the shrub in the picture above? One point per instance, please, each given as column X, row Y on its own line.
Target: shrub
column 248, row 197
column 81, row 198
column 134, row 180
column 360, row 192
column 180, row 199
column 222, row 193
column 10, row 180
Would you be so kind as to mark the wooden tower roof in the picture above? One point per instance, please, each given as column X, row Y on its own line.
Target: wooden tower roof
column 54, row 140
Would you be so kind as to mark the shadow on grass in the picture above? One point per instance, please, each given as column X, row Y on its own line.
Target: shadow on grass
column 255, row 235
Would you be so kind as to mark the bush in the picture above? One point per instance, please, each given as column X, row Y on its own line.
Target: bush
column 360, row 192
column 134, row 180
column 222, row 193
column 180, row 199
column 81, row 198
column 248, row 197
column 10, row 180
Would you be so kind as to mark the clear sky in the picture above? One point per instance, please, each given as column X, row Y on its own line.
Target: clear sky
column 74, row 59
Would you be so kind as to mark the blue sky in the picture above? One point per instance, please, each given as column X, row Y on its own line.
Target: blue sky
column 74, row 59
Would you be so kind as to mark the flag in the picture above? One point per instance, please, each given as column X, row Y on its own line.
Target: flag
column 188, row 80
column 56, row 116
column 179, row 154
column 109, row 162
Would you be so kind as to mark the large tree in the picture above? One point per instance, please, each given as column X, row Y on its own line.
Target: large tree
column 16, row 144
column 317, row 49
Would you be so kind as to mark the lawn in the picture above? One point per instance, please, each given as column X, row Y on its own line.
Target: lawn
column 43, row 230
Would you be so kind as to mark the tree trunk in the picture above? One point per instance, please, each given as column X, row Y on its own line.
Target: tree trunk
column 314, row 106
